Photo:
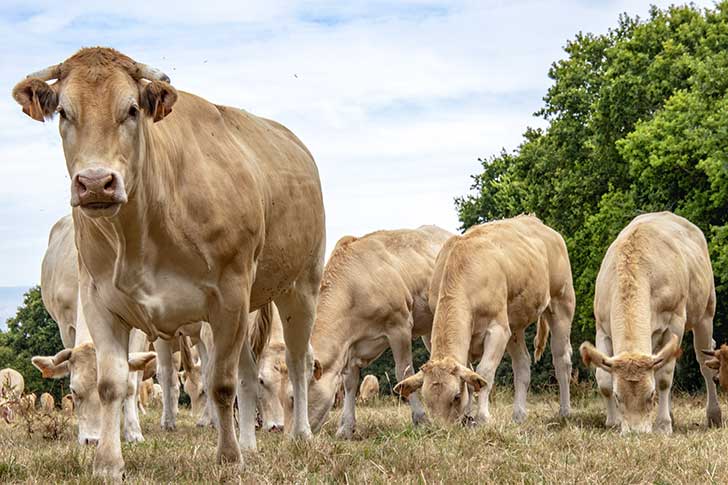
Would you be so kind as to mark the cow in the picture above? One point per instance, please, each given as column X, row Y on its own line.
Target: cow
column 369, row 388
column 489, row 285
column 184, row 211
column 60, row 294
column 719, row 362
column 273, row 377
column 374, row 296
column 655, row 283
column 47, row 403
column 12, row 384
column 67, row 404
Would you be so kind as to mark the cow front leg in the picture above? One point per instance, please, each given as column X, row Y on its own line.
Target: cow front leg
column 559, row 318
column 169, row 382
column 111, row 339
column 247, row 397
column 206, row 419
column 347, row 424
column 495, row 343
column 521, row 363
column 229, row 334
column 402, row 352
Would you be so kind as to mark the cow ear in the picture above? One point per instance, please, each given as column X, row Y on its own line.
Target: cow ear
column 56, row 367
column 591, row 355
column 471, row 378
column 407, row 386
column 138, row 360
column 157, row 99
column 318, row 371
column 38, row 99
column 150, row 370
column 670, row 351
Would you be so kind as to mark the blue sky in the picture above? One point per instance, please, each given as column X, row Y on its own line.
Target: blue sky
column 396, row 100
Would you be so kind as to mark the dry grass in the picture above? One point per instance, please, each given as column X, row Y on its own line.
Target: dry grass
column 388, row 449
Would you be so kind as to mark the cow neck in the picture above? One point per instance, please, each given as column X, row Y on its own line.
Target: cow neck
column 631, row 326
column 451, row 330
column 82, row 333
column 333, row 333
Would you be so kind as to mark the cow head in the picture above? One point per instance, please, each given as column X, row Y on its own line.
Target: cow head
column 318, row 403
column 272, row 386
column 192, row 380
column 446, row 385
column 633, row 375
column 80, row 364
column 104, row 105
column 719, row 361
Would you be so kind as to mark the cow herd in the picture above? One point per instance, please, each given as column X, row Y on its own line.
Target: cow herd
column 200, row 229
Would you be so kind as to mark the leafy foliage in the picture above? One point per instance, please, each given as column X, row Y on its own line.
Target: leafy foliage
column 638, row 122
column 32, row 332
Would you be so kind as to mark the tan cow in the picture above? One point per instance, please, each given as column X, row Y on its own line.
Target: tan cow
column 59, row 290
column 67, row 404
column 12, row 384
column 655, row 283
column 369, row 388
column 183, row 211
column 718, row 361
column 47, row 403
column 374, row 296
column 273, row 377
column 489, row 285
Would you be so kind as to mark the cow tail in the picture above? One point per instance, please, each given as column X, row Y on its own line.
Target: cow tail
column 260, row 330
column 539, row 342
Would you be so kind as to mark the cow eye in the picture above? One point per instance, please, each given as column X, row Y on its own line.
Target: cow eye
column 62, row 113
column 261, row 382
column 456, row 398
column 133, row 111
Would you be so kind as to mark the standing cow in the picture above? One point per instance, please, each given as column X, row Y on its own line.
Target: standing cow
column 59, row 290
column 655, row 283
column 184, row 211
column 489, row 285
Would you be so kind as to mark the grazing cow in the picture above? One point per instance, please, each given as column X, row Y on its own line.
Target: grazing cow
column 655, row 283
column 489, row 285
column 273, row 377
column 374, row 296
column 59, row 290
column 12, row 384
column 155, row 398
column 718, row 361
column 47, row 403
column 369, row 388
column 67, row 404
column 184, row 211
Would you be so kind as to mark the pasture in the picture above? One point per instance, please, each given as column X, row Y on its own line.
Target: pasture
column 387, row 449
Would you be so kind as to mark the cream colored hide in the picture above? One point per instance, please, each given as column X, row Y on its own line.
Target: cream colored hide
column 59, row 283
column 12, row 384
column 273, row 377
column 369, row 388
column 488, row 286
column 184, row 211
column 374, row 296
column 655, row 283
column 47, row 403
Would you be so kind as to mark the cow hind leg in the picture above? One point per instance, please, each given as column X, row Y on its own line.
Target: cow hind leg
column 496, row 340
column 521, row 362
column 559, row 317
column 169, row 381
column 703, row 339
column 247, row 397
column 347, row 424
column 297, row 308
column 402, row 352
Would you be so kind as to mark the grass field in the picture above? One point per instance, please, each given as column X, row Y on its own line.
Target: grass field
column 388, row 449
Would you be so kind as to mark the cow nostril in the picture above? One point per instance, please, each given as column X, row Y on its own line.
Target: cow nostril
column 109, row 184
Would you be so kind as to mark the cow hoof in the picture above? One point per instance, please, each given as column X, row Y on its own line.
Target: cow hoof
column 109, row 473
column 663, row 427
column 519, row 416
column 229, row 456
column 305, row 435
column 715, row 419
column 134, row 437
column 611, row 423
column 564, row 412
column 169, row 427
column 345, row 432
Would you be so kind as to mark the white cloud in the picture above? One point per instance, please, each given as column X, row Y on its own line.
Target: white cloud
column 395, row 100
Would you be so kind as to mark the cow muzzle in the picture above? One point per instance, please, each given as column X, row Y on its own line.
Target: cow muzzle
column 99, row 192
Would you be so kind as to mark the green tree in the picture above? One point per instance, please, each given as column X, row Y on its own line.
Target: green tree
column 32, row 332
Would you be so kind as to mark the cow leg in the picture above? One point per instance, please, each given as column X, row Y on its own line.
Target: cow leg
column 496, row 340
column 297, row 308
column 703, row 339
column 402, row 352
column 247, row 397
column 521, row 362
column 206, row 419
column 111, row 339
column 604, row 381
column 169, row 381
column 347, row 424
column 559, row 317
column 132, row 428
column 139, row 402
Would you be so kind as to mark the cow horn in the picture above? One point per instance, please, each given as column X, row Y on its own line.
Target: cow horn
column 50, row 72
column 151, row 73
